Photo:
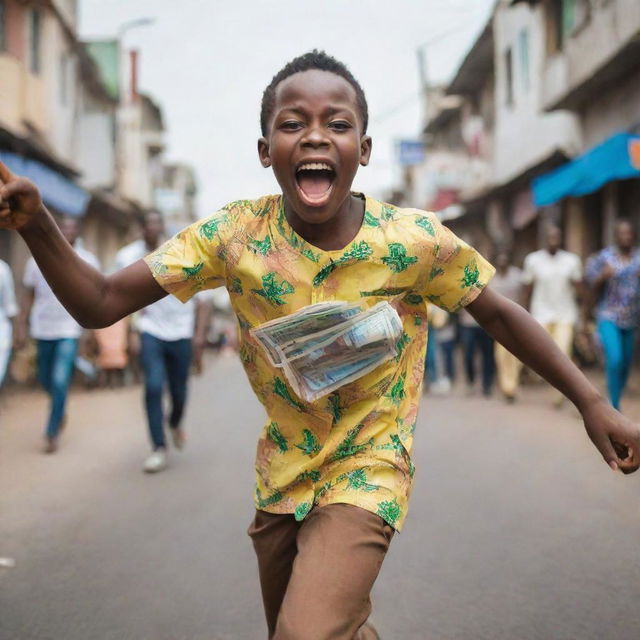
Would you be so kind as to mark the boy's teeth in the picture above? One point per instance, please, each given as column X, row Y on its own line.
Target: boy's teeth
column 315, row 166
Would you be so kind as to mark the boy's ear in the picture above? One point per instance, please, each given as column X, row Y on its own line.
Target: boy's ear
column 263, row 152
column 365, row 150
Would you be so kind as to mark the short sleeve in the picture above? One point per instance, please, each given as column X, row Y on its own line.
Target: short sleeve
column 458, row 272
column 195, row 258
column 29, row 279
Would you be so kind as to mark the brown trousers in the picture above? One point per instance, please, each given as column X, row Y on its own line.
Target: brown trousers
column 316, row 575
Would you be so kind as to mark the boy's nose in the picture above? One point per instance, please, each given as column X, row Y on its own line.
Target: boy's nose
column 315, row 137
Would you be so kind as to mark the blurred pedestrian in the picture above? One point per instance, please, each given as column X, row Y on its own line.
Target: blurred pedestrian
column 474, row 338
column 552, row 278
column 508, row 282
column 171, row 335
column 112, row 356
column 447, row 340
column 8, row 312
column 614, row 275
column 437, row 382
column 56, row 334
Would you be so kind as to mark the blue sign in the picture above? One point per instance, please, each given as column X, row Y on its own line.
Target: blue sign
column 56, row 190
column 410, row 152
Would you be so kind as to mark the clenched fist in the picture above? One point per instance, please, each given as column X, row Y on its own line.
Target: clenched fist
column 20, row 200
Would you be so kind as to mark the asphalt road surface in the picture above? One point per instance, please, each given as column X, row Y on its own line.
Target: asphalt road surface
column 517, row 530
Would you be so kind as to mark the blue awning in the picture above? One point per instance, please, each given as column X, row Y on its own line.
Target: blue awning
column 57, row 191
column 617, row 158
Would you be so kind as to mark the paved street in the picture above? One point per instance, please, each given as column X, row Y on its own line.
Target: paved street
column 517, row 530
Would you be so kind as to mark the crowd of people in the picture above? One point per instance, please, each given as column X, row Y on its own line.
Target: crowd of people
column 567, row 299
column 164, row 341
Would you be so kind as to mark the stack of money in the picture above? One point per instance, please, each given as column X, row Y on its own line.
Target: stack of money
column 324, row 346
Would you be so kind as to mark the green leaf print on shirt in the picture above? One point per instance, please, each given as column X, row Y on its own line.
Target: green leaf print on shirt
column 357, row 479
column 424, row 223
column 193, row 272
column 263, row 247
column 235, row 286
column 396, row 393
column 387, row 213
column 276, row 496
column 348, row 447
column 334, row 407
column 272, row 290
column 397, row 446
column 370, row 220
column 358, row 251
column 302, row 510
column 209, row 228
column 389, row 511
column 391, row 291
column 398, row 260
column 403, row 341
column 313, row 475
column 471, row 274
column 276, row 436
column 309, row 445
column 280, row 389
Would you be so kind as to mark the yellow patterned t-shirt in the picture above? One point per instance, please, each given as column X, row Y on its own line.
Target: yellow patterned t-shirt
column 353, row 446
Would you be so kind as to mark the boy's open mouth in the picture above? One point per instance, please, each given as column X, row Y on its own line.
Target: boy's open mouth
column 315, row 180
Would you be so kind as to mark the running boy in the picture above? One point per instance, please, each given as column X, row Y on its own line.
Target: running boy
column 333, row 476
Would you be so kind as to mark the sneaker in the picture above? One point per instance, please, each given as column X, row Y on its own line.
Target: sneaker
column 178, row 437
column 157, row 461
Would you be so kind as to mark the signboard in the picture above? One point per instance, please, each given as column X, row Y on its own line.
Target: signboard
column 410, row 152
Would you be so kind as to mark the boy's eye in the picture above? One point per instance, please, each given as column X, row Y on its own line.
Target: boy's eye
column 291, row 125
column 340, row 125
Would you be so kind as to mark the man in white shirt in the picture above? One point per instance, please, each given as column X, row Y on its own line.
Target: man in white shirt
column 8, row 311
column 55, row 332
column 553, row 278
column 172, row 334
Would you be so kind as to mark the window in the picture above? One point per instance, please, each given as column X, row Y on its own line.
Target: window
column 523, row 47
column 508, row 69
column 35, row 26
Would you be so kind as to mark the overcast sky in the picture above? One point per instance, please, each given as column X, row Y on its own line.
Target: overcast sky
column 206, row 62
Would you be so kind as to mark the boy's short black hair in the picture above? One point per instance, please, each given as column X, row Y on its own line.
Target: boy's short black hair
column 312, row 60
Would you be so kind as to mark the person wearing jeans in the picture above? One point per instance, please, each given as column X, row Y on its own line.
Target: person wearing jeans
column 614, row 275
column 474, row 337
column 56, row 334
column 170, row 334
column 164, row 362
column 55, row 367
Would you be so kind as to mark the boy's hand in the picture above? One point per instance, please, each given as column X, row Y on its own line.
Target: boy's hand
column 614, row 435
column 20, row 200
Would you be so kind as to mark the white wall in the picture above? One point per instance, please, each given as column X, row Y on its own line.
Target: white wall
column 95, row 153
column 524, row 135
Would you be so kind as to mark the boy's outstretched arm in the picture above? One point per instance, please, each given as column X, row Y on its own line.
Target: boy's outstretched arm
column 615, row 436
column 93, row 299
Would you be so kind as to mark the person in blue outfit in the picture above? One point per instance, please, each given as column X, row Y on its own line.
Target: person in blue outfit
column 613, row 275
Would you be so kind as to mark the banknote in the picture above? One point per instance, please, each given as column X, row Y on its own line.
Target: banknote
column 327, row 345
